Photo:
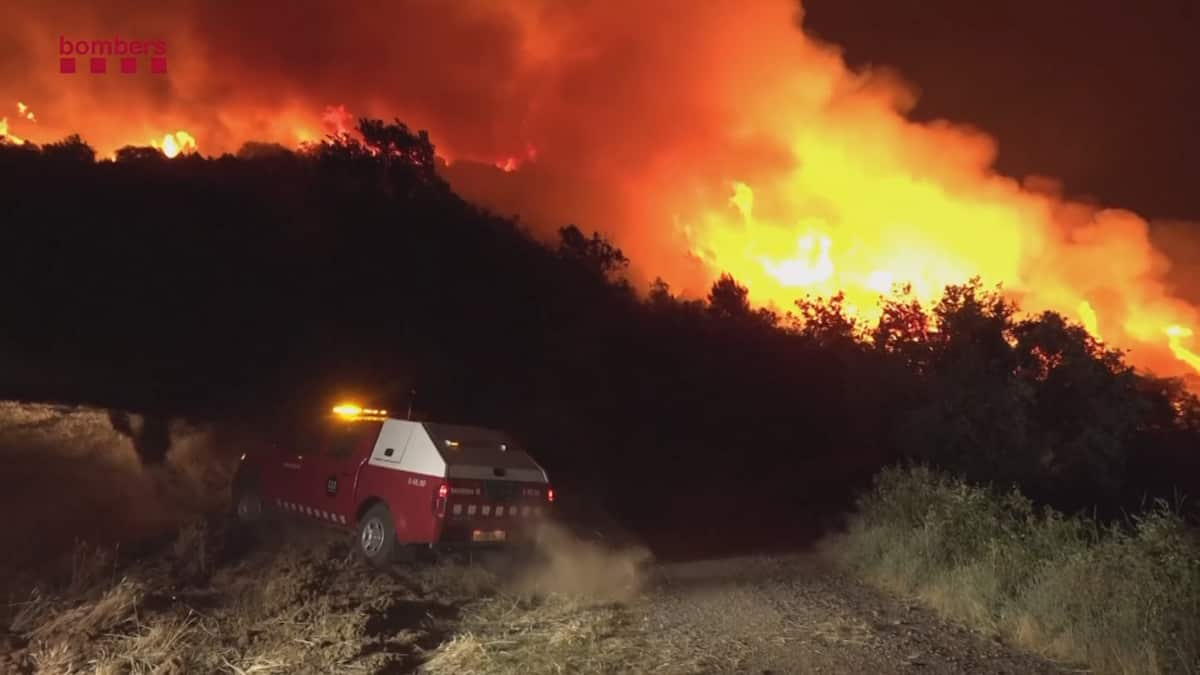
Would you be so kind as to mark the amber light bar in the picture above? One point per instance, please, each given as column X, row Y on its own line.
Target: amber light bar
column 349, row 411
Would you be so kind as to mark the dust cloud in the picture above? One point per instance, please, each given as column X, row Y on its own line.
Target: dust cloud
column 71, row 475
column 589, row 570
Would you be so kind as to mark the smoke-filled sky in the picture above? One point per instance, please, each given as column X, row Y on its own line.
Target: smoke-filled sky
column 720, row 136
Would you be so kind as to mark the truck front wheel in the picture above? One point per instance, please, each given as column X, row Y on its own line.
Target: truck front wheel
column 377, row 536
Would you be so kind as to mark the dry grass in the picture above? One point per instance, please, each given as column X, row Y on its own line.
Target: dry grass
column 551, row 634
column 299, row 604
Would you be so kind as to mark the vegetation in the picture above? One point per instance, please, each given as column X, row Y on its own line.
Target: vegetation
column 1123, row 597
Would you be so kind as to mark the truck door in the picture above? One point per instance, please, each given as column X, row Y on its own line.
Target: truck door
column 281, row 475
column 335, row 471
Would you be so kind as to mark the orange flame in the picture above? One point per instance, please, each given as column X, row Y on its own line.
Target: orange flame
column 172, row 145
column 5, row 135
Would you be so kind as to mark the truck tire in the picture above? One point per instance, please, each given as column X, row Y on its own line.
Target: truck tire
column 247, row 505
column 377, row 536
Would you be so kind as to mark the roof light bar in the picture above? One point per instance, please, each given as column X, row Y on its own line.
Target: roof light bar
column 349, row 411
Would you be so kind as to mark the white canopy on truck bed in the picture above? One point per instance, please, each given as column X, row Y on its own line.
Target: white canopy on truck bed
column 453, row 451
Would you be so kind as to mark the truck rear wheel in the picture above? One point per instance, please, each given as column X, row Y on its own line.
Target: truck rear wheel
column 248, row 508
column 377, row 536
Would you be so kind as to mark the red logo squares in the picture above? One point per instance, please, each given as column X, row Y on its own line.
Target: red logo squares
column 99, row 64
column 66, row 65
column 128, row 65
column 158, row 65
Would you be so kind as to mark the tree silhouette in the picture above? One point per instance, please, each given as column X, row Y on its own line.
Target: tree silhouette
column 594, row 253
column 70, row 149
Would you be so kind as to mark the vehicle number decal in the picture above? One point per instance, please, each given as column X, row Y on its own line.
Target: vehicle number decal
column 331, row 486
column 419, row 482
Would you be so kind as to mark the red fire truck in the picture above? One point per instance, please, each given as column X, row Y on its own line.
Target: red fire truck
column 398, row 483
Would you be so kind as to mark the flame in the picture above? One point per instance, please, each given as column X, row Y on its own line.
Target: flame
column 175, row 144
column 24, row 113
column 1087, row 316
column 1175, row 336
column 5, row 135
column 338, row 120
column 512, row 162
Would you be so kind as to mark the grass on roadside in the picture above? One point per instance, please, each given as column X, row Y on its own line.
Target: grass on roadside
column 1122, row 598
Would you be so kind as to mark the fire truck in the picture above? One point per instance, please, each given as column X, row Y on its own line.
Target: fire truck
column 399, row 484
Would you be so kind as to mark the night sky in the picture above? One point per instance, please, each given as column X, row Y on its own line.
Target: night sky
column 1102, row 94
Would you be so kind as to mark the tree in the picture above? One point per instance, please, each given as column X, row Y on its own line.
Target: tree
column 140, row 153
column 401, row 151
column 595, row 253
column 903, row 331
column 1086, row 405
column 252, row 150
column 827, row 322
column 660, row 293
column 70, row 149
column 728, row 299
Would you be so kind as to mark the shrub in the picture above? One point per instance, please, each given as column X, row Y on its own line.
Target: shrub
column 1122, row 597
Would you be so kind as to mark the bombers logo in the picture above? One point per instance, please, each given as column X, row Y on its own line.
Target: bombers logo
column 128, row 53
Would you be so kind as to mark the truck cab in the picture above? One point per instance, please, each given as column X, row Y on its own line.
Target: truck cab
column 398, row 483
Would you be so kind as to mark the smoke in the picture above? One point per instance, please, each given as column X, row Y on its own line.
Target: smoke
column 701, row 137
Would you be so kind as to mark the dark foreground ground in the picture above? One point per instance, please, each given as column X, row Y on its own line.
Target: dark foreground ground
column 112, row 567
column 299, row 601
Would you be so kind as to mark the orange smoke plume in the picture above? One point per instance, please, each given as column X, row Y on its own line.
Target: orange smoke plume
column 703, row 137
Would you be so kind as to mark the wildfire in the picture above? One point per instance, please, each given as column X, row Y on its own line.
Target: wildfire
column 907, row 233
column 172, row 145
column 768, row 158
column 25, row 112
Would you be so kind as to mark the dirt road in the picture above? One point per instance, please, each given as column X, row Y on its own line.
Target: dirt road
column 758, row 614
column 794, row 614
